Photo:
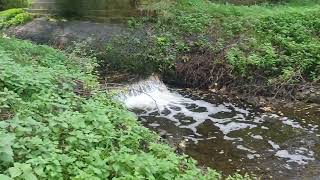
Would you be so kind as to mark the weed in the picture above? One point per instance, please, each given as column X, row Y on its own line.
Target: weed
column 266, row 45
column 13, row 17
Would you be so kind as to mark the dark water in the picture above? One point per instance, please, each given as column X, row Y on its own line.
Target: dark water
column 233, row 137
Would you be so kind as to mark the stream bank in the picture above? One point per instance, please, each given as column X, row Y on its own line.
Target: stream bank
column 224, row 133
column 193, row 69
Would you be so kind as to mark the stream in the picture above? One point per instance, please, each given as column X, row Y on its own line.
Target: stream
column 227, row 136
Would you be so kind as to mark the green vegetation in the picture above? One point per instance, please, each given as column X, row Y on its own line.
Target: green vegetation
column 13, row 17
column 7, row 4
column 55, row 123
column 267, row 46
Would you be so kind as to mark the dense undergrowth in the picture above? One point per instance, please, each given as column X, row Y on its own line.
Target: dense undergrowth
column 268, row 49
column 8, row 4
column 55, row 123
column 13, row 17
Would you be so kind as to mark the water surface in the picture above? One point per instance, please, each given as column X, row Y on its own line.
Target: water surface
column 229, row 136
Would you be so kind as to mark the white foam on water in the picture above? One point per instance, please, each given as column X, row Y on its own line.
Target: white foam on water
column 232, row 139
column 291, row 123
column 288, row 166
column 274, row 145
column 152, row 95
column 257, row 137
column 241, row 147
column 234, row 126
column 157, row 100
column 297, row 158
column 252, row 156
column 252, row 153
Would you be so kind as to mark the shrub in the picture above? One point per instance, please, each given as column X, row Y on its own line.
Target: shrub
column 262, row 45
column 13, row 17
column 143, row 54
column 279, row 44
column 7, row 4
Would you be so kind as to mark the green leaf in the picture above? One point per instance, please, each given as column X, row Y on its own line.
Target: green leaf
column 6, row 153
column 5, row 157
column 15, row 172
column 39, row 171
column 4, row 177
column 29, row 176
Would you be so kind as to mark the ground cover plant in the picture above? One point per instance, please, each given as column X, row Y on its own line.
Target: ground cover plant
column 55, row 123
column 7, row 4
column 265, row 49
column 13, row 17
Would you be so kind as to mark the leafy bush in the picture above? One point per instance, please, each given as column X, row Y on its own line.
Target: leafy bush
column 13, row 17
column 145, row 55
column 279, row 44
column 266, row 44
column 56, row 124
column 7, row 4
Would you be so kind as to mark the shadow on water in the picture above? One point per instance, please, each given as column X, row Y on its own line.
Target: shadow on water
column 228, row 136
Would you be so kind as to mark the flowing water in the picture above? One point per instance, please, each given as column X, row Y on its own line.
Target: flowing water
column 227, row 136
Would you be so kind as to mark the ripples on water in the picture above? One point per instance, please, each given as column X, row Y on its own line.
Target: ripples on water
column 226, row 136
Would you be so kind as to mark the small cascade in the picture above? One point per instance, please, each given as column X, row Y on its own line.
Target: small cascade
column 225, row 131
column 156, row 100
column 148, row 94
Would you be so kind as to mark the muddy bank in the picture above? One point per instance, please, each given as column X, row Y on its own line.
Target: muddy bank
column 210, row 70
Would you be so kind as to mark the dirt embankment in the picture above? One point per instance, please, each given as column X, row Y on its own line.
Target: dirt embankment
column 204, row 69
column 218, row 79
column 207, row 70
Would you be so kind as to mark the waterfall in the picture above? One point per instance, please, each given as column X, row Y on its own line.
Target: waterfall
column 146, row 94
column 214, row 123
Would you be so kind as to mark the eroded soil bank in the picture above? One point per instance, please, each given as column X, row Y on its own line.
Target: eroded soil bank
column 197, row 71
